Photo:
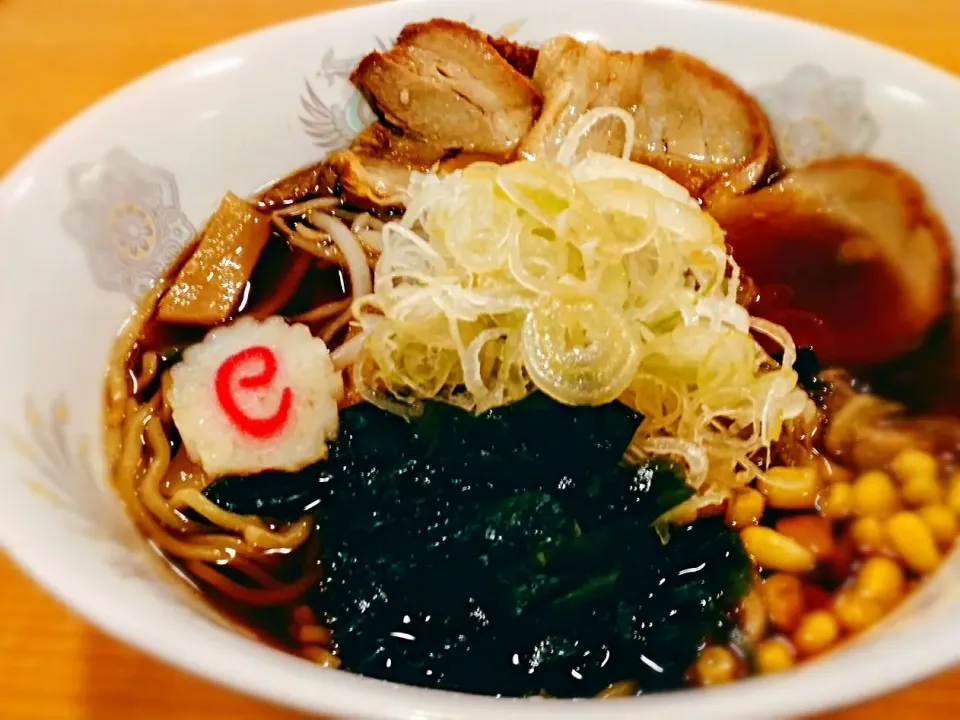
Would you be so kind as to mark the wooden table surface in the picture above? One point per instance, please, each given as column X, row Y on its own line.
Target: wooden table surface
column 57, row 56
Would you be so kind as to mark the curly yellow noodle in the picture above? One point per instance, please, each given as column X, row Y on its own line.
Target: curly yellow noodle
column 127, row 478
column 250, row 596
column 251, row 528
column 149, row 364
column 254, row 572
column 150, row 494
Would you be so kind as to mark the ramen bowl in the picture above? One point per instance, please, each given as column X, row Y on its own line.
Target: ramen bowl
column 96, row 213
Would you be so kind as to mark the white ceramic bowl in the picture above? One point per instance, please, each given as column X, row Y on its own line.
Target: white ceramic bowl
column 95, row 213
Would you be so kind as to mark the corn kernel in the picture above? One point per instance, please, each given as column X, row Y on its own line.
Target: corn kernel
column 745, row 508
column 770, row 549
column 783, row 599
column 752, row 615
column 921, row 490
column 624, row 688
column 773, row 655
column 912, row 463
column 913, row 541
column 716, row 665
column 831, row 472
column 817, row 631
column 941, row 522
column 812, row 531
column 874, row 495
column 856, row 612
column 837, row 503
column 953, row 493
column 304, row 615
column 320, row 656
column 790, row 488
column 867, row 534
column 313, row 635
column 882, row 579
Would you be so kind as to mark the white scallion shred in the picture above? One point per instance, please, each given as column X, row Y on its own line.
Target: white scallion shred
column 591, row 279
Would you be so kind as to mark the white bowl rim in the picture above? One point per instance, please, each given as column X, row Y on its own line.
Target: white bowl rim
column 356, row 696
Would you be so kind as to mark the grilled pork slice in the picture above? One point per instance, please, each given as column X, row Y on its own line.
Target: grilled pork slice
column 692, row 123
column 851, row 241
column 522, row 57
column 868, row 431
column 375, row 169
column 446, row 84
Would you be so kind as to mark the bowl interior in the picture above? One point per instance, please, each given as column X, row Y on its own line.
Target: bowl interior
column 95, row 213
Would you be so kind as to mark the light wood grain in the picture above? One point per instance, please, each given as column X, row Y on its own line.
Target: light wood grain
column 57, row 56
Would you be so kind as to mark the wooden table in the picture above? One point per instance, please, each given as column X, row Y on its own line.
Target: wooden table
column 57, row 56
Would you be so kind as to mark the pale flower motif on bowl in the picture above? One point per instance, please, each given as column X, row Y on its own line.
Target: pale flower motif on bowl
column 61, row 472
column 815, row 116
column 126, row 215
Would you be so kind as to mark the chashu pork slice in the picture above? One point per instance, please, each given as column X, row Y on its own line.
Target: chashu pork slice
column 447, row 84
column 692, row 122
column 374, row 172
column 851, row 241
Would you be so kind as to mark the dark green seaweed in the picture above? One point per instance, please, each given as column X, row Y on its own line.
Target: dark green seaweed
column 510, row 553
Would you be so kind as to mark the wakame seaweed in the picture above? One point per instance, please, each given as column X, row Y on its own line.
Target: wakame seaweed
column 510, row 553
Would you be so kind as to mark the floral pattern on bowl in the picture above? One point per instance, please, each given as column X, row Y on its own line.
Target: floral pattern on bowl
column 332, row 122
column 63, row 475
column 815, row 115
column 126, row 215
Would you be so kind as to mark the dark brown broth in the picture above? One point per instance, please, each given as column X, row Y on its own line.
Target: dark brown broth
column 321, row 284
column 927, row 380
column 271, row 625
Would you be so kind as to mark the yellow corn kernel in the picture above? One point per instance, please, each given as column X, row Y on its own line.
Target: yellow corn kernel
column 882, row 579
column 867, row 534
column 874, row 495
column 921, row 490
column 856, row 612
column 790, row 488
column 752, row 616
column 817, row 631
column 313, row 635
column 815, row 533
column 953, row 493
column 624, row 688
column 716, row 665
column 913, row 463
column 745, row 508
column 773, row 655
column 831, row 472
column 775, row 551
column 320, row 656
column 837, row 503
column 941, row 522
column 913, row 541
column 304, row 615
column 783, row 599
